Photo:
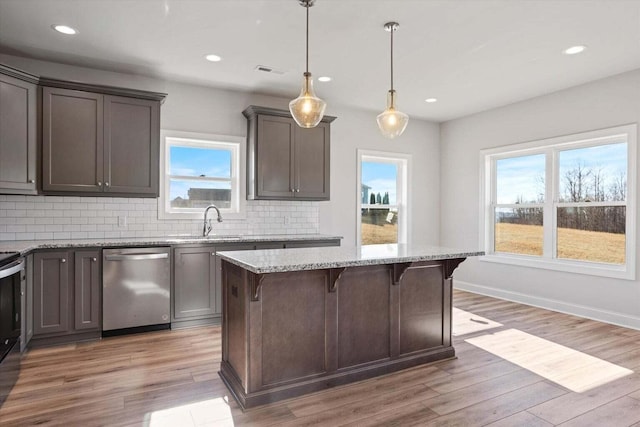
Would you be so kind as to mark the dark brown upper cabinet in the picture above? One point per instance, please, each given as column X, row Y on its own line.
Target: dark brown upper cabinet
column 98, row 142
column 285, row 161
column 18, row 131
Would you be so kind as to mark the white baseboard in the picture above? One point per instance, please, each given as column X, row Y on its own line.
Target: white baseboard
column 611, row 317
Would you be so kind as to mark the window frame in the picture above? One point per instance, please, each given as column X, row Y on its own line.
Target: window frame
column 403, row 182
column 551, row 147
column 235, row 144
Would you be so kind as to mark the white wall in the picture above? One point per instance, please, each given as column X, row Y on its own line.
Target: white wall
column 210, row 110
column 358, row 129
column 600, row 104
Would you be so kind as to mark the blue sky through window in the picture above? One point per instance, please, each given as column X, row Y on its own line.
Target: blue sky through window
column 523, row 177
column 198, row 162
column 520, row 178
column 381, row 177
column 194, row 161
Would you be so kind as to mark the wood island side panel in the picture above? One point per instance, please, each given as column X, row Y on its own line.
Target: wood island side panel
column 287, row 334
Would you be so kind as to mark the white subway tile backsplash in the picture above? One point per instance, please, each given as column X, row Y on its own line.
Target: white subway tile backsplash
column 70, row 217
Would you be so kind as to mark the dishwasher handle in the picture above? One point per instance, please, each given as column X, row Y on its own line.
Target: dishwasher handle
column 136, row 257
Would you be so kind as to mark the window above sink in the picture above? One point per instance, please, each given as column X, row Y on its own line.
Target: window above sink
column 198, row 170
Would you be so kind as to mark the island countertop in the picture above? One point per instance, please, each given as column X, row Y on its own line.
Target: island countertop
column 280, row 260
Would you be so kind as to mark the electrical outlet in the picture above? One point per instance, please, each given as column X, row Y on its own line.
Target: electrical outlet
column 122, row 221
column 287, row 220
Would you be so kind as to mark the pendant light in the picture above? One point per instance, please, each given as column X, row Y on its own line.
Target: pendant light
column 307, row 109
column 391, row 121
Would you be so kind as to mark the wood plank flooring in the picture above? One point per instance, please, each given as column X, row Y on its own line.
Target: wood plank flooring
column 169, row 378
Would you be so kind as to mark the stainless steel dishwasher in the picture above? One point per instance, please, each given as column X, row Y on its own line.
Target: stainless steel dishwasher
column 136, row 290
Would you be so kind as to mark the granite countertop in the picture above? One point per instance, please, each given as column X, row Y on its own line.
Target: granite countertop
column 26, row 246
column 283, row 260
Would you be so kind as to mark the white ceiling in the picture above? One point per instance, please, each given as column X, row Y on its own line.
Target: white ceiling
column 472, row 55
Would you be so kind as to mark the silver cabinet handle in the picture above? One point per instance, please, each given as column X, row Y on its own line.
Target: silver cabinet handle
column 94, row 259
column 63, row 260
column 106, row 184
column 99, row 183
column 32, row 181
column 297, row 190
column 293, row 190
column 213, row 254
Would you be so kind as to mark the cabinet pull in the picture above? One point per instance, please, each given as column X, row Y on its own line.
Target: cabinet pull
column 63, row 260
column 99, row 183
column 213, row 254
column 106, row 184
column 94, row 259
column 297, row 190
column 32, row 181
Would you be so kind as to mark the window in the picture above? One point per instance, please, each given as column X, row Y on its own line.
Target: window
column 382, row 212
column 565, row 203
column 200, row 170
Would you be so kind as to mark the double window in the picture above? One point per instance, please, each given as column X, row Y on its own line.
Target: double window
column 200, row 170
column 566, row 203
column 382, row 197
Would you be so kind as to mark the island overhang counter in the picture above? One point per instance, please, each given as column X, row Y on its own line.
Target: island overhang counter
column 302, row 320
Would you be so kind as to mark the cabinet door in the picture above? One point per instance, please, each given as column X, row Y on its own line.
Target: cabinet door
column 275, row 157
column 131, row 148
column 312, row 162
column 17, row 135
column 194, row 283
column 87, row 301
column 72, row 140
column 51, row 292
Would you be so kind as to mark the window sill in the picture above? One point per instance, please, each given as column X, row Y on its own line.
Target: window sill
column 625, row 272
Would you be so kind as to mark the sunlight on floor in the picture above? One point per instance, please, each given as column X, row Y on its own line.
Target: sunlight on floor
column 212, row 412
column 467, row 323
column 569, row 368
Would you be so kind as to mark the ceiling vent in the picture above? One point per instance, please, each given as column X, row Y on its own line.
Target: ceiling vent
column 267, row 69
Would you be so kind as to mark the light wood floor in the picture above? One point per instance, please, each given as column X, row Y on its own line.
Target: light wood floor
column 170, row 378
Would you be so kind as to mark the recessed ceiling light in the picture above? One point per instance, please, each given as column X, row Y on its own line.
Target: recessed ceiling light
column 431, row 100
column 324, row 79
column 574, row 49
column 213, row 58
column 65, row 29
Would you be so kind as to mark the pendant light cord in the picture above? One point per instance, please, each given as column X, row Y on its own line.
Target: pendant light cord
column 391, row 58
column 307, row 7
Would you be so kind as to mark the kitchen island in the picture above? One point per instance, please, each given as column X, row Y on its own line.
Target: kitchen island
column 303, row 320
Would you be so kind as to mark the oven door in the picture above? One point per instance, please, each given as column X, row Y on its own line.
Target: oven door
column 10, row 318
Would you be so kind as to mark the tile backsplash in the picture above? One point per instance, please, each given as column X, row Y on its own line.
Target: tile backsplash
column 62, row 217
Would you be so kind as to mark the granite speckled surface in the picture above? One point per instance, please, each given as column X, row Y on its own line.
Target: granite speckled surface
column 283, row 260
column 26, row 246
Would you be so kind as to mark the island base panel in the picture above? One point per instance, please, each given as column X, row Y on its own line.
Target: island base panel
column 251, row 400
column 290, row 333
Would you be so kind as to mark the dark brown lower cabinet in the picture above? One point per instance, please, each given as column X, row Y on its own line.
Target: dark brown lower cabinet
column 291, row 333
column 66, row 295
column 194, row 294
column 87, row 289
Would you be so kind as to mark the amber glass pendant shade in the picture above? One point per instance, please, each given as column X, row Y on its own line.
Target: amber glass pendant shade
column 307, row 109
column 391, row 121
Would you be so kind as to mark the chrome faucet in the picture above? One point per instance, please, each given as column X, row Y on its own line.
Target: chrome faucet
column 206, row 229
